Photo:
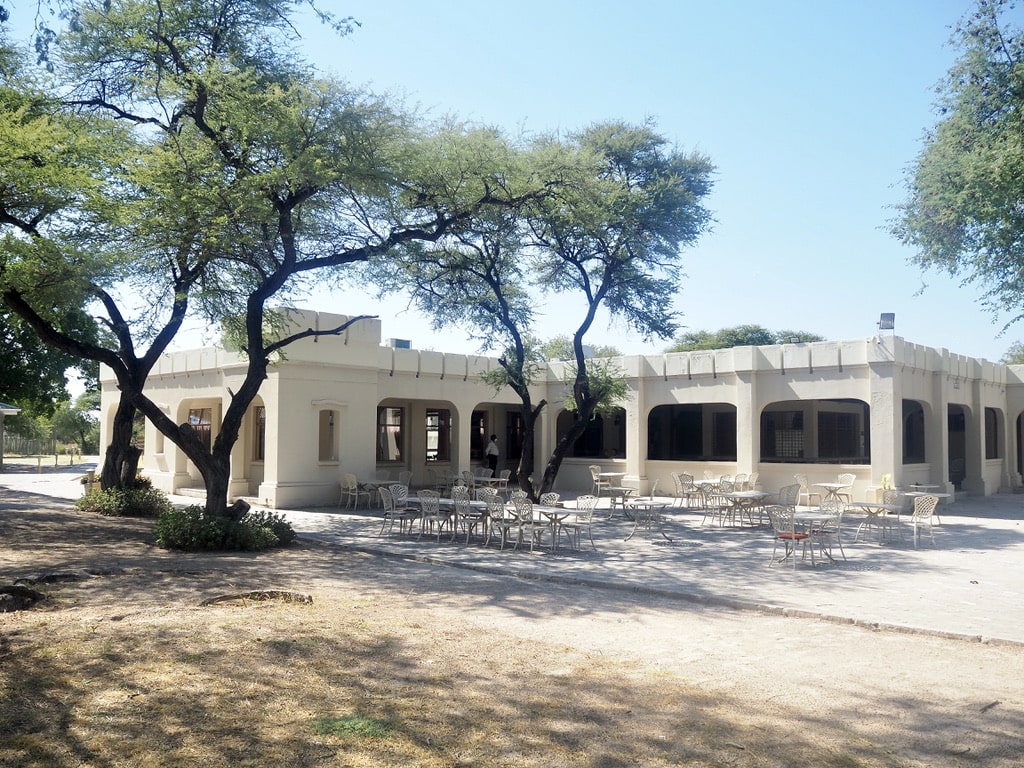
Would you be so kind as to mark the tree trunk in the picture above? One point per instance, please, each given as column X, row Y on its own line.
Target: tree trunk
column 121, row 460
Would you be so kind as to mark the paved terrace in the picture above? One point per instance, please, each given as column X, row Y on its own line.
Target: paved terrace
column 969, row 584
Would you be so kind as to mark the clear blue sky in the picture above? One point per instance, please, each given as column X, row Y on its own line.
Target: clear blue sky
column 811, row 110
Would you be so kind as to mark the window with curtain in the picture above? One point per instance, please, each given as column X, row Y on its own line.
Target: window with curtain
column 389, row 433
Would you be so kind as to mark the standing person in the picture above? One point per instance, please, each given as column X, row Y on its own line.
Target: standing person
column 491, row 452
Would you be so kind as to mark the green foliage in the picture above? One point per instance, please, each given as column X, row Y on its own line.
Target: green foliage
column 608, row 388
column 1014, row 355
column 560, row 348
column 737, row 336
column 351, row 726
column 963, row 212
column 140, row 501
column 191, row 529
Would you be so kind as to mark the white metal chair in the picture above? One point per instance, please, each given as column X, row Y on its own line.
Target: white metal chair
column 595, row 474
column 829, row 532
column 847, row 478
column 404, row 515
column 806, row 494
column 921, row 517
column 584, row 518
column 783, row 520
column 525, row 524
column 351, row 492
column 432, row 515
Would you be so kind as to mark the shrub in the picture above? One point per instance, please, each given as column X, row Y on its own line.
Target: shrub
column 191, row 529
column 143, row 501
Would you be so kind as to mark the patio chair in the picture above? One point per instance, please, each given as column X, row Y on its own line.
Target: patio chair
column 847, row 478
column 829, row 533
column 404, row 515
column 352, row 491
column 431, row 514
column 740, row 482
column 498, row 520
column 525, row 524
column 806, row 494
column 717, row 506
column 550, row 499
column 464, row 513
column 503, row 477
column 752, row 481
column 922, row 516
column 584, row 518
column 595, row 475
column 405, row 478
column 783, row 520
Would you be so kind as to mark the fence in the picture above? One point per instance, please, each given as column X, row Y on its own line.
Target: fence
column 22, row 446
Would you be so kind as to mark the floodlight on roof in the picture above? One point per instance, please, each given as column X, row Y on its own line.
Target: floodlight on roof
column 887, row 321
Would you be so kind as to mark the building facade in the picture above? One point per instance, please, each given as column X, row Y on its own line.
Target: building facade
column 348, row 404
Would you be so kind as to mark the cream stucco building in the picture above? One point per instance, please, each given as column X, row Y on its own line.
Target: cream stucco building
column 871, row 407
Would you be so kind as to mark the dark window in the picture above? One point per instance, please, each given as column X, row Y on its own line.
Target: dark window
column 478, row 435
column 439, row 434
column 604, row 436
column 259, row 433
column 514, row 434
column 913, row 432
column 389, row 434
column 199, row 419
column 676, row 433
column 992, row 434
column 838, row 435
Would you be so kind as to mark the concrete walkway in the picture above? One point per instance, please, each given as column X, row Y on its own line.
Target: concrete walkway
column 969, row 584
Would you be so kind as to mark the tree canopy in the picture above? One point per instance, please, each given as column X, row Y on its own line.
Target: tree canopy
column 737, row 336
column 963, row 214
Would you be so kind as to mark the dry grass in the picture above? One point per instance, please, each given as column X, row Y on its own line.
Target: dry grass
column 385, row 668
column 347, row 681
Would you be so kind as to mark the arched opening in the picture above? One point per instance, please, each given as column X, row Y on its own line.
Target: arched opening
column 692, row 432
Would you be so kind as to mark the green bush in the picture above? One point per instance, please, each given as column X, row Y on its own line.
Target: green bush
column 141, row 501
column 191, row 529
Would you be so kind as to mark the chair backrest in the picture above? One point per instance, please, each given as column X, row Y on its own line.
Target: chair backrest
column 585, row 506
column 802, row 479
column 518, row 493
column 483, row 494
column 468, row 477
column 725, row 486
column 740, row 481
column 924, row 506
column 484, row 472
column 709, row 475
column 460, row 492
column 430, row 502
column 349, row 482
column 595, row 472
column 789, row 495
column 405, row 477
column 505, row 474
column 847, row 478
column 834, row 507
column 550, row 498
column 523, row 509
column 400, row 493
column 495, row 508
column 782, row 518
column 386, row 500
column 654, row 487
column 890, row 497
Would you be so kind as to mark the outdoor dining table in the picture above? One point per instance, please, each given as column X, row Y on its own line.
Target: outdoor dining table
column 645, row 512
column 554, row 517
column 832, row 489
column 811, row 518
column 879, row 515
column 741, row 502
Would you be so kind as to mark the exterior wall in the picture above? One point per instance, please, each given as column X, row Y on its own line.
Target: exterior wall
column 342, row 380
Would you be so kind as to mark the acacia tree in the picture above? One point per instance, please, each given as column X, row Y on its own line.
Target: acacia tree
column 963, row 211
column 266, row 174
column 737, row 336
column 614, row 236
column 610, row 211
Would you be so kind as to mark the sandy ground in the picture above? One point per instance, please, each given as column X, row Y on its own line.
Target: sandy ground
column 929, row 700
